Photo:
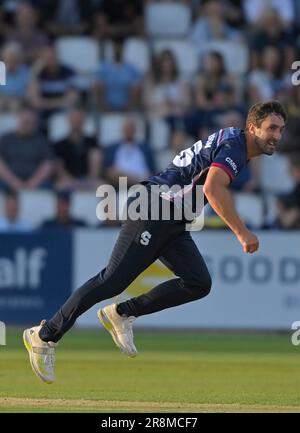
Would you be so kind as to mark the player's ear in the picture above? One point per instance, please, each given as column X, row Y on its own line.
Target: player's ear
column 251, row 128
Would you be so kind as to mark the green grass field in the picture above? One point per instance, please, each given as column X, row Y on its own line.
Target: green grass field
column 174, row 372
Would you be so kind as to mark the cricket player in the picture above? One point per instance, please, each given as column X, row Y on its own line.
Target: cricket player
column 213, row 163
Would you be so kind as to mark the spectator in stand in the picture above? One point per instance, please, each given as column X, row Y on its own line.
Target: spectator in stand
column 224, row 100
column 211, row 77
column 79, row 158
column 128, row 158
column 254, row 9
column 270, row 30
column 211, row 25
column 25, row 155
column 118, row 84
column 288, row 205
column 67, row 17
column 167, row 95
column 26, row 32
column 293, row 103
column 215, row 92
column 119, row 18
column 52, row 87
column 265, row 82
column 179, row 141
column 14, row 93
column 11, row 221
column 63, row 218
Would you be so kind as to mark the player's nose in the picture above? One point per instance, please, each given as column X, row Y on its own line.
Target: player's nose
column 277, row 136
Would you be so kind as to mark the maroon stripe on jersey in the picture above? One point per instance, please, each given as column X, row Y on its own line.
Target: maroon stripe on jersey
column 226, row 169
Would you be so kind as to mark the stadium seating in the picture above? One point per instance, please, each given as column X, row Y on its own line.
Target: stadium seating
column 59, row 126
column 84, row 205
column 251, row 208
column 80, row 53
column 136, row 52
column 37, row 206
column 110, row 128
column 184, row 52
column 271, row 209
column 8, row 123
column 163, row 158
column 275, row 176
column 237, row 65
column 167, row 19
column 159, row 134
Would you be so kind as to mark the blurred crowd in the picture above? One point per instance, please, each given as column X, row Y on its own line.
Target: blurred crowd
column 156, row 86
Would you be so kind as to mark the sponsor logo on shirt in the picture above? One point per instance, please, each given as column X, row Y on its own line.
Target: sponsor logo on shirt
column 232, row 164
column 145, row 238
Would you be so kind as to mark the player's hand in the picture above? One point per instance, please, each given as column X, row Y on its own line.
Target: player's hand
column 249, row 241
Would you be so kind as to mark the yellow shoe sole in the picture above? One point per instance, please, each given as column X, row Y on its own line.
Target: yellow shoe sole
column 27, row 344
column 110, row 329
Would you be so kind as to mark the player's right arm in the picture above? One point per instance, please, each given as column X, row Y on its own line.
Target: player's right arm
column 220, row 199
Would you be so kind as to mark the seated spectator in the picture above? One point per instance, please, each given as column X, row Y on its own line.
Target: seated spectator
column 166, row 94
column 215, row 93
column 119, row 18
column 292, row 105
column 26, row 32
column 11, row 222
column 268, row 79
column 179, row 141
column 13, row 94
column 234, row 14
column 271, row 31
column 288, row 205
column 118, row 84
column 128, row 158
column 65, row 17
column 25, row 155
column 254, row 9
column 212, row 76
column 79, row 158
column 224, row 101
column 63, row 218
column 211, row 24
column 52, row 87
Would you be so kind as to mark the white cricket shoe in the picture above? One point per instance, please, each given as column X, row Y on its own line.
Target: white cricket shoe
column 41, row 354
column 120, row 328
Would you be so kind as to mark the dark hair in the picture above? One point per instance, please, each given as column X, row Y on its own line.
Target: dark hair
column 279, row 68
column 157, row 65
column 25, row 106
column 64, row 195
column 261, row 110
column 10, row 193
column 221, row 63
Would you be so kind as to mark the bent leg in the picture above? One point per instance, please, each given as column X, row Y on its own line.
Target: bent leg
column 183, row 258
column 129, row 258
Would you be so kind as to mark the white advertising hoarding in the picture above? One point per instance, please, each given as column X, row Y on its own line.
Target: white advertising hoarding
column 250, row 291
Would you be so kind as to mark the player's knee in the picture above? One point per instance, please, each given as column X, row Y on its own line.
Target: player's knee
column 205, row 285
column 200, row 286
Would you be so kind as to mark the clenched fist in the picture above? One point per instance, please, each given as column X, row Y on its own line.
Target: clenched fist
column 249, row 241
